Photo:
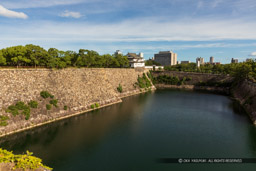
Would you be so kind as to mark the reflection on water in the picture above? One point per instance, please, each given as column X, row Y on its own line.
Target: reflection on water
column 133, row 134
column 87, row 130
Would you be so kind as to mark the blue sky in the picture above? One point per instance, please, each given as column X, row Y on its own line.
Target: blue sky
column 191, row 28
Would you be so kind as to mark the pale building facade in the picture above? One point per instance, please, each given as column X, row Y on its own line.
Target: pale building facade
column 166, row 58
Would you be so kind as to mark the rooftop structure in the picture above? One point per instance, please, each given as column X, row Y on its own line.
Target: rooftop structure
column 118, row 52
column 135, row 60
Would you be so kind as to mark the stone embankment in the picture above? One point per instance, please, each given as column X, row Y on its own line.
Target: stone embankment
column 245, row 93
column 77, row 89
column 195, row 80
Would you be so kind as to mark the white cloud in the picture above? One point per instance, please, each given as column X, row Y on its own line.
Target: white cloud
column 18, row 4
column 71, row 14
column 11, row 14
column 136, row 30
column 253, row 54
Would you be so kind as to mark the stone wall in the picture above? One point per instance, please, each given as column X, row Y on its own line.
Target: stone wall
column 196, row 77
column 245, row 93
column 75, row 88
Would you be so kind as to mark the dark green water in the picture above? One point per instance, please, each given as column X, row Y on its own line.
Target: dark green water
column 133, row 134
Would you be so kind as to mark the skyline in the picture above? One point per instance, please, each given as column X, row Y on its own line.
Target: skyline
column 223, row 29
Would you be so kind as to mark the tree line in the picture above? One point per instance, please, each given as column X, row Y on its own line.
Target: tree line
column 34, row 56
column 244, row 70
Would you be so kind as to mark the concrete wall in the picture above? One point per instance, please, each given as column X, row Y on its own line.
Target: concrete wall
column 76, row 88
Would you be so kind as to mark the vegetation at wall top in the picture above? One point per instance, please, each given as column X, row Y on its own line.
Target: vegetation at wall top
column 34, row 56
column 244, row 70
column 151, row 62
column 26, row 161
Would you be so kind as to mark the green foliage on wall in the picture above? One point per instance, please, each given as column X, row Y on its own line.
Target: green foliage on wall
column 48, row 106
column 120, row 88
column 19, row 106
column 143, row 81
column 165, row 79
column 46, row 94
column 97, row 105
column 33, row 104
column 3, row 120
column 54, row 102
column 92, row 106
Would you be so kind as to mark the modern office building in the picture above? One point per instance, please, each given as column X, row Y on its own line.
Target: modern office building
column 199, row 61
column 166, row 58
column 234, row 60
column 135, row 60
column 211, row 60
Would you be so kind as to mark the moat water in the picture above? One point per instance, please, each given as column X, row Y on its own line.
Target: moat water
column 133, row 135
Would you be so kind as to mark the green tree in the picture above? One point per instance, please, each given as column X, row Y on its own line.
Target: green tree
column 2, row 59
column 38, row 55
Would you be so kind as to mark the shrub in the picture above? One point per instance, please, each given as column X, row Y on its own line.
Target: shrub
column 120, row 88
column 20, row 105
column 14, row 110
column 33, row 104
column 46, row 94
column 54, row 102
column 97, row 105
column 48, row 106
column 189, row 79
column 26, row 112
column 65, row 108
column 143, row 81
column 3, row 120
column 92, row 106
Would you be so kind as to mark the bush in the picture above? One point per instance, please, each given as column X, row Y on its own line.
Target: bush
column 33, row 104
column 189, row 79
column 48, row 106
column 65, row 108
column 143, row 81
column 46, row 94
column 3, row 120
column 120, row 88
column 97, row 105
column 54, row 102
column 26, row 112
column 14, row 110
column 92, row 106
